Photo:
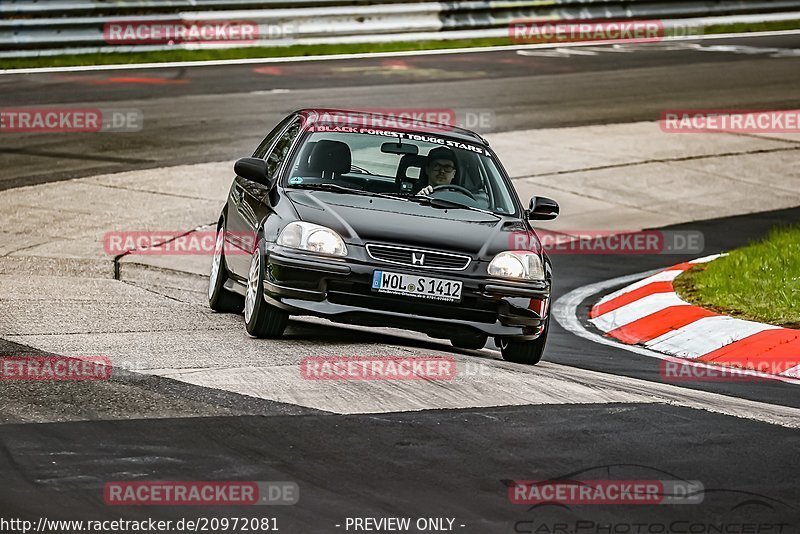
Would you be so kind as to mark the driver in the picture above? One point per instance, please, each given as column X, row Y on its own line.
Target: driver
column 440, row 169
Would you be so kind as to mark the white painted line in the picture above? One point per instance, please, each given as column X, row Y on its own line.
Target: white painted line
column 270, row 92
column 705, row 335
column 365, row 55
column 616, row 49
column 558, row 52
column 794, row 372
column 706, row 259
column 565, row 312
column 636, row 310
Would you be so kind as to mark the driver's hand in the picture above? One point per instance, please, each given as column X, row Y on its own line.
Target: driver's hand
column 425, row 191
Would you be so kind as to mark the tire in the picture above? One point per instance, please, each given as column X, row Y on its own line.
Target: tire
column 469, row 342
column 219, row 298
column 525, row 352
column 260, row 319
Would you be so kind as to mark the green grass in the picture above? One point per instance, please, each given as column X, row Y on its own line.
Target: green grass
column 242, row 53
column 312, row 50
column 760, row 282
column 744, row 27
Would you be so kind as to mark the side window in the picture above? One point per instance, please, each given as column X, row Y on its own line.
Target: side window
column 268, row 141
column 281, row 150
column 499, row 194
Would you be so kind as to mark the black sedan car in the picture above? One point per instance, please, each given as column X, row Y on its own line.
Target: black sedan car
column 363, row 219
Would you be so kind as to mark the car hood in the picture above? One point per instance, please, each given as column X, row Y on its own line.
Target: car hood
column 366, row 219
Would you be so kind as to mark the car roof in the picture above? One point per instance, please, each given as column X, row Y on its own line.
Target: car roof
column 313, row 116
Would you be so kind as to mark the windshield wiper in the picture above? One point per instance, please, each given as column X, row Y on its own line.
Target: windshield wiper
column 341, row 189
column 448, row 204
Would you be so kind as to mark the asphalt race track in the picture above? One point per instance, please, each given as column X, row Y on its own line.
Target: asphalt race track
column 454, row 463
column 220, row 113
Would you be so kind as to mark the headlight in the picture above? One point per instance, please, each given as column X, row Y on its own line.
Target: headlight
column 517, row 265
column 312, row 237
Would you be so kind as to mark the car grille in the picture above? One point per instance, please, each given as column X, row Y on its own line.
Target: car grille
column 413, row 257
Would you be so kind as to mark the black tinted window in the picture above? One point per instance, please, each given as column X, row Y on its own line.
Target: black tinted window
column 281, row 150
column 269, row 140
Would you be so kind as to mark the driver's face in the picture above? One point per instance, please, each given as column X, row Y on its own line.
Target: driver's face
column 441, row 172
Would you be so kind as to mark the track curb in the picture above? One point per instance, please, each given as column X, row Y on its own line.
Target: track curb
column 649, row 313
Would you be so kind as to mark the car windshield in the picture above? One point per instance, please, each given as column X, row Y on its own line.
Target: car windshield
column 426, row 168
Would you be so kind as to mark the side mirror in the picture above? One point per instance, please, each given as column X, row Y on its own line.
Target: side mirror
column 255, row 170
column 542, row 209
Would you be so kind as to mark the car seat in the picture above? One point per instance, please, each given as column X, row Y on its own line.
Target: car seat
column 405, row 183
column 330, row 159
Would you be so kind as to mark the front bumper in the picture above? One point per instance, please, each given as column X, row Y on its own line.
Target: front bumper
column 340, row 289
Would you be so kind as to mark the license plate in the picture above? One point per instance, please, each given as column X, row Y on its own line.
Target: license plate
column 413, row 285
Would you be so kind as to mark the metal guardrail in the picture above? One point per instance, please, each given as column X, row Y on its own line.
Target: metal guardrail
column 53, row 27
column 120, row 7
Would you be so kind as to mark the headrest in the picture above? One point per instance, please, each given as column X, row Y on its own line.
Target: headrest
column 410, row 160
column 330, row 156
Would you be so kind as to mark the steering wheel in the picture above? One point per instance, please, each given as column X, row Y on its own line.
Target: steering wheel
column 454, row 187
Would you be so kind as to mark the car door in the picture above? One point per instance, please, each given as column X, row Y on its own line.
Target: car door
column 248, row 197
column 237, row 247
